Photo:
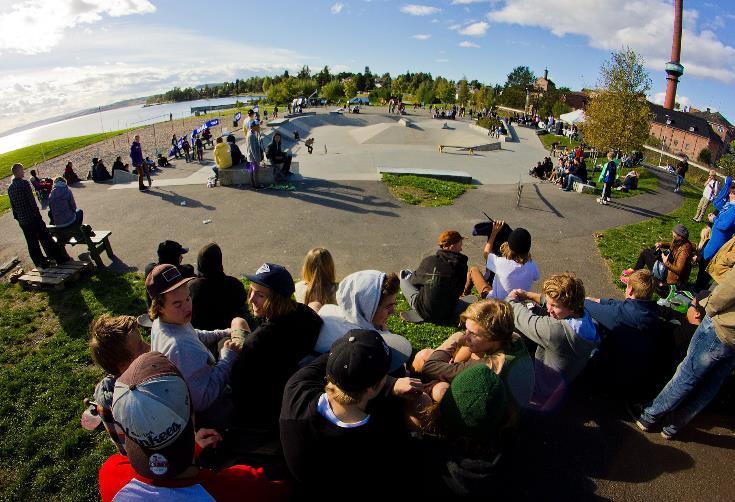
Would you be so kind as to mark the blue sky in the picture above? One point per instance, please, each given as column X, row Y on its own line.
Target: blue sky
column 83, row 53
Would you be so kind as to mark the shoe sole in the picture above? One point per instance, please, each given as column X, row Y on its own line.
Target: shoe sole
column 667, row 437
column 642, row 426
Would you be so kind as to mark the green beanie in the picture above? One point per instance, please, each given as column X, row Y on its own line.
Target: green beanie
column 475, row 404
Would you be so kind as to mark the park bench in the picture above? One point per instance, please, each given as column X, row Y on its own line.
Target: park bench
column 80, row 234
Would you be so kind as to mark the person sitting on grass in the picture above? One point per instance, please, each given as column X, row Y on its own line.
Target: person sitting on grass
column 173, row 335
column 671, row 267
column 436, row 285
column 69, row 175
column 115, row 342
column 630, row 356
column 462, row 439
column 488, row 339
column 563, row 340
column 271, row 354
column 153, row 406
column 216, row 298
column 514, row 269
column 630, row 182
column 365, row 300
column 342, row 418
column 318, row 285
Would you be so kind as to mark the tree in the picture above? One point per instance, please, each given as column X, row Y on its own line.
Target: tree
column 705, row 156
column 350, row 88
column 304, row 73
column 444, row 90
column 727, row 164
column 618, row 117
column 323, row 77
column 520, row 76
column 463, row 94
column 333, row 91
column 425, row 94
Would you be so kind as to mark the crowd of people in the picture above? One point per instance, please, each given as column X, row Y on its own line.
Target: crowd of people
column 312, row 367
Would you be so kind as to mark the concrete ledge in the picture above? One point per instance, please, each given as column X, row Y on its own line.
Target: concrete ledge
column 405, row 122
column 121, row 176
column 442, row 174
column 295, row 115
column 277, row 122
column 583, row 188
column 240, row 176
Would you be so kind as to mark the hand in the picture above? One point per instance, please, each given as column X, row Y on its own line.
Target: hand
column 665, row 258
column 711, row 217
column 232, row 345
column 208, row 438
column 408, row 387
column 658, row 245
column 518, row 294
column 497, row 225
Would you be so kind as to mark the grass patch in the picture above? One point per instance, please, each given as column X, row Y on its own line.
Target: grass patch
column 647, row 183
column 620, row 246
column 31, row 155
column 46, row 371
column 423, row 191
column 4, row 203
column 548, row 139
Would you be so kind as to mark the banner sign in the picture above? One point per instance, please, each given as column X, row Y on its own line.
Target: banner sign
column 238, row 116
column 212, row 123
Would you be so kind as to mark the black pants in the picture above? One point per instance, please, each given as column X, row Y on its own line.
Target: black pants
column 703, row 278
column 646, row 259
column 606, row 190
column 37, row 235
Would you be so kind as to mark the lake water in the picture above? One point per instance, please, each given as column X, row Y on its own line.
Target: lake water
column 110, row 120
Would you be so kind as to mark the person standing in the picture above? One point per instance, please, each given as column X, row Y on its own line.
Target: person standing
column 136, row 158
column 254, row 153
column 608, row 179
column 186, row 147
column 708, row 194
column 681, row 170
column 25, row 211
column 175, row 146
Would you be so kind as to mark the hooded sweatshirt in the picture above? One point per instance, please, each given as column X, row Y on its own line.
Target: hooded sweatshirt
column 216, row 298
column 441, row 278
column 222, row 155
column 62, row 205
column 358, row 297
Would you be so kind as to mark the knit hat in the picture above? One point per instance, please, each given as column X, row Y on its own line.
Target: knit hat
column 475, row 403
column 152, row 405
column 681, row 231
column 358, row 360
column 519, row 241
column 449, row 238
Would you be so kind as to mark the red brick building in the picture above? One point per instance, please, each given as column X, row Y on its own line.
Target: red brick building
column 687, row 133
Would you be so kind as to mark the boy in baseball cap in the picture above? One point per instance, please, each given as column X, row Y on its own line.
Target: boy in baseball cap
column 173, row 335
column 347, row 429
column 152, row 405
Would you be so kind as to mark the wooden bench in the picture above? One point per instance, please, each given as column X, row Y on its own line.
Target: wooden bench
column 80, row 234
column 54, row 277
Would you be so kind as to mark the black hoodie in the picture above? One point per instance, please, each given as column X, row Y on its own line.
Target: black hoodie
column 440, row 278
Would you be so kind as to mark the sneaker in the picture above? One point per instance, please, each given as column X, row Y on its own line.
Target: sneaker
column 599, row 200
column 666, row 435
column 634, row 411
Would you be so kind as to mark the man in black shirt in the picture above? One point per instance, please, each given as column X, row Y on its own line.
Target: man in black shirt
column 172, row 253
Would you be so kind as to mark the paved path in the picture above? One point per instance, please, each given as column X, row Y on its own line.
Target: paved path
column 588, row 449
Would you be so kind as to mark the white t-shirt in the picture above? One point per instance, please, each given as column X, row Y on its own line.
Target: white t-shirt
column 510, row 275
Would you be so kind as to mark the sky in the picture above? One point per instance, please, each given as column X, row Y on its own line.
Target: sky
column 59, row 56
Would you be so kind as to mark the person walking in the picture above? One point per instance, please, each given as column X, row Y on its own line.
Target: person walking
column 25, row 211
column 136, row 158
column 681, row 170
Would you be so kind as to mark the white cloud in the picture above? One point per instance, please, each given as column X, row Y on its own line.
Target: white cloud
column 467, row 2
column 48, row 24
column 422, row 36
column 659, row 97
column 475, row 29
column 337, row 8
column 434, row 21
column 468, row 44
column 644, row 25
column 441, row 60
column 419, row 10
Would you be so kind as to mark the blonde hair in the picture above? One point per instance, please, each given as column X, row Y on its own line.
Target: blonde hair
column 108, row 341
column 566, row 289
column 508, row 254
column 495, row 317
column 342, row 397
column 156, row 308
column 641, row 284
column 318, row 273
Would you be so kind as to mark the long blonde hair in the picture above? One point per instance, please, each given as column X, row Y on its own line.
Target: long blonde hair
column 318, row 273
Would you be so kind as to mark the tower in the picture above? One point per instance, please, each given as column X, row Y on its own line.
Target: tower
column 674, row 69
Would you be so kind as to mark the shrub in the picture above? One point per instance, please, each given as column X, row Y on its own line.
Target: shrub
column 705, row 156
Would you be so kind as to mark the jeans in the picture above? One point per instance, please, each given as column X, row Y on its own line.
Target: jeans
column 679, row 181
column 570, row 181
column 696, row 382
column 409, row 291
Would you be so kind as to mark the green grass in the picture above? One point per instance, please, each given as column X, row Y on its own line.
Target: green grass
column 620, row 246
column 46, row 371
column 4, row 203
column 647, row 183
column 424, row 191
column 31, row 155
column 548, row 139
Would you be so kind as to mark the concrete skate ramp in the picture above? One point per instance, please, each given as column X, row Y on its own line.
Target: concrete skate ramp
column 427, row 133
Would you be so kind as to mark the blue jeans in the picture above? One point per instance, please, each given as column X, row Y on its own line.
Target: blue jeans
column 679, row 181
column 570, row 181
column 696, row 382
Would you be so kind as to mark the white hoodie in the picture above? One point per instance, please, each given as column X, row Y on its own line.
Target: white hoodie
column 358, row 297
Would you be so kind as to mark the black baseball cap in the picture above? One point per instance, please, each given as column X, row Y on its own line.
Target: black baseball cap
column 358, row 360
column 168, row 250
column 275, row 277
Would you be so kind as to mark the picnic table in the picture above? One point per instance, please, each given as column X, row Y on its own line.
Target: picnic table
column 96, row 241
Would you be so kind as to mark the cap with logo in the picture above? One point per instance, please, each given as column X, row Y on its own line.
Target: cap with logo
column 358, row 360
column 152, row 405
column 164, row 278
column 275, row 277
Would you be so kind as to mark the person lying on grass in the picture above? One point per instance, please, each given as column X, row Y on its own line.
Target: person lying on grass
column 488, row 339
column 115, row 342
column 436, row 285
column 563, row 340
column 271, row 354
column 365, row 300
column 514, row 269
column 152, row 404
column 173, row 335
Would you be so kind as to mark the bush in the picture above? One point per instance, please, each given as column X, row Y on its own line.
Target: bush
column 489, row 123
column 705, row 156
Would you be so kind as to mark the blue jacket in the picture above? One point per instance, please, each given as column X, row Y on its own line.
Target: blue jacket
column 136, row 154
column 723, row 229
column 628, row 318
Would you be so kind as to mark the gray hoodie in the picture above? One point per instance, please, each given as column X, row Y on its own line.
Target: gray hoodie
column 62, row 205
column 358, row 297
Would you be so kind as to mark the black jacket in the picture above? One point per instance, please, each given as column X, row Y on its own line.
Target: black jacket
column 441, row 278
column 270, row 356
column 351, row 461
column 274, row 152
